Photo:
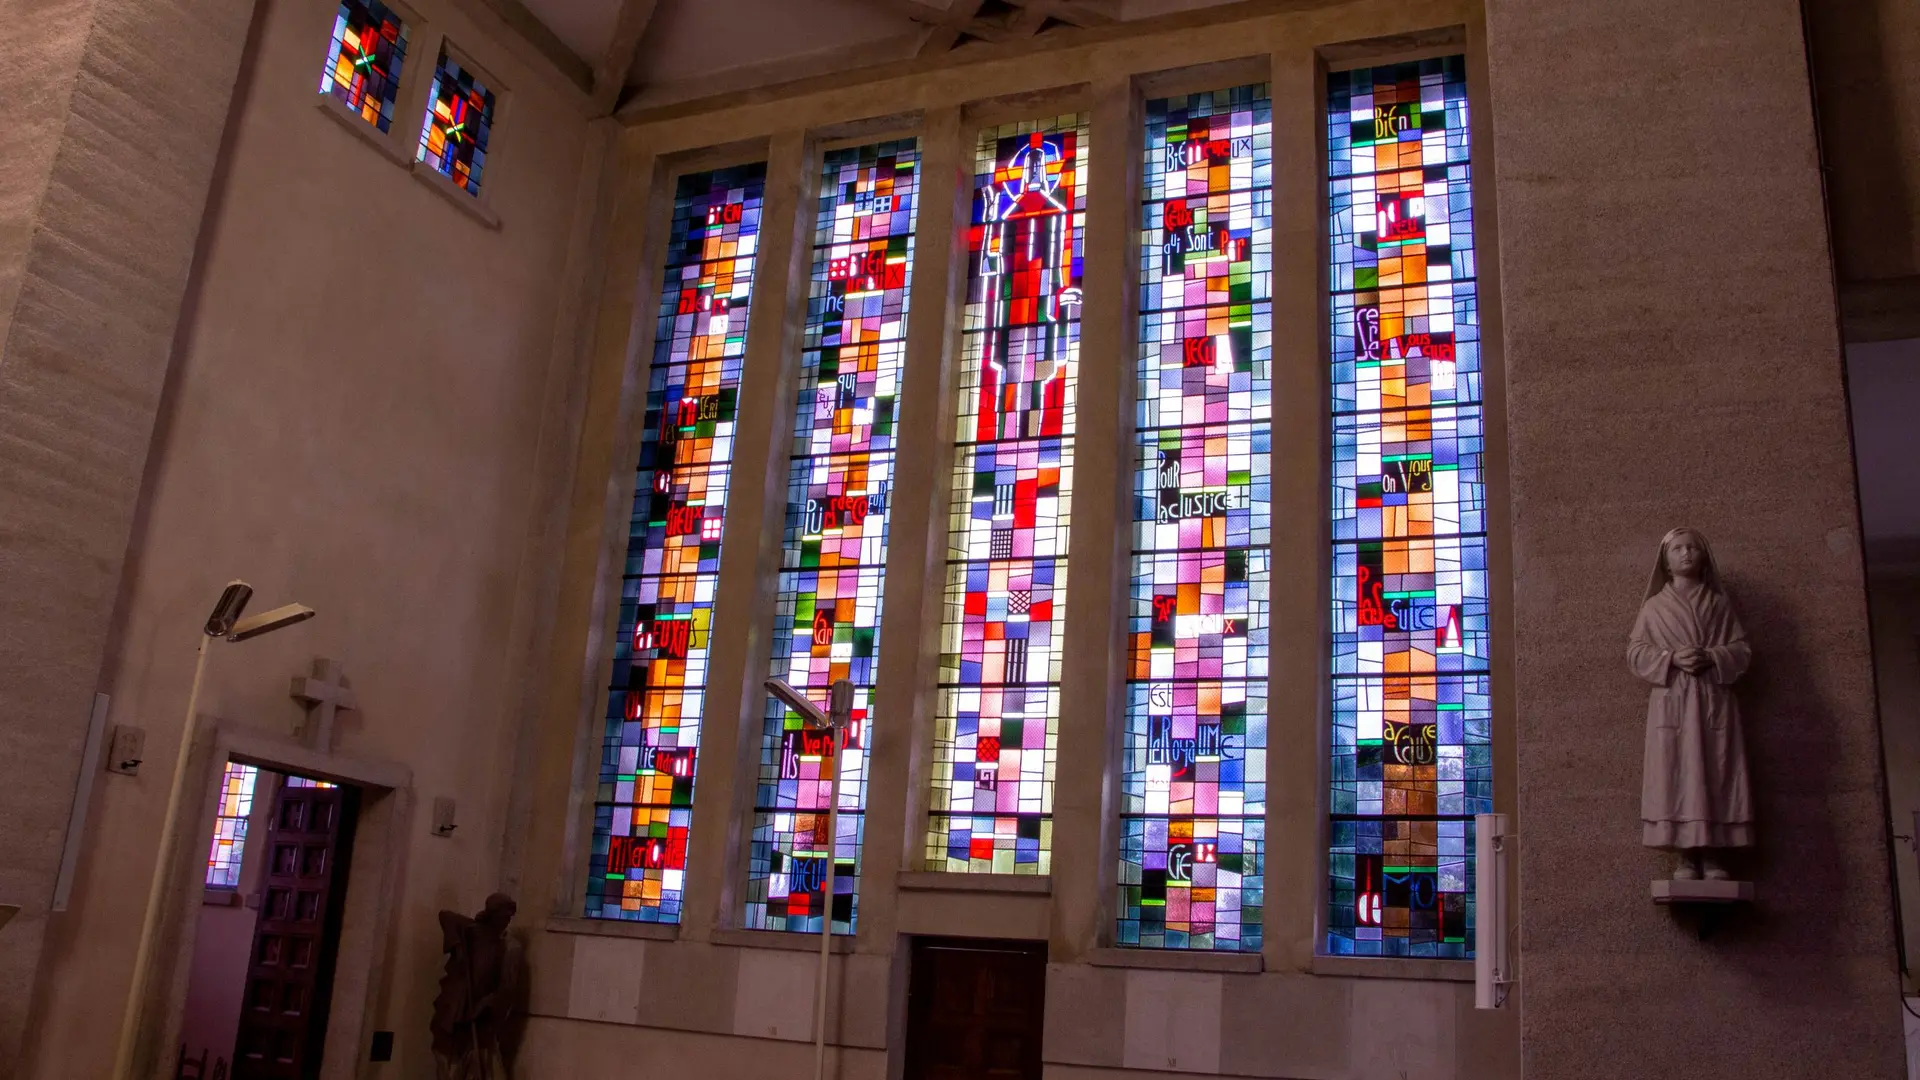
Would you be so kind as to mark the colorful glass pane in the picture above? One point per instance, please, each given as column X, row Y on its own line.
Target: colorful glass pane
column 840, row 480
column 453, row 140
column 999, row 695
column 230, row 826
column 655, row 701
column 306, row 782
column 1193, row 784
column 1412, row 761
column 363, row 60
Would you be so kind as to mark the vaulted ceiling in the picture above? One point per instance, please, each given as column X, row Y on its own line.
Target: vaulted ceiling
column 676, row 49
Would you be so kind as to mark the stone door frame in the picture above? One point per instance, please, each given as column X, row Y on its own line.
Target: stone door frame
column 373, row 884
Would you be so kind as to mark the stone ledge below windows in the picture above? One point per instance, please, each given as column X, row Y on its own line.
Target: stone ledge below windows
column 614, row 928
column 938, row 881
column 1178, row 960
column 779, row 939
column 380, row 140
column 1413, row 969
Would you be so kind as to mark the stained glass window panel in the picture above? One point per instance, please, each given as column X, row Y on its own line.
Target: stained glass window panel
column 998, row 713
column 1412, row 761
column 363, row 60
column 656, row 698
column 839, row 487
column 1193, row 783
column 230, row 825
column 453, row 139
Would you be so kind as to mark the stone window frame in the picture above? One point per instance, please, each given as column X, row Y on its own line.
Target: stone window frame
column 1296, row 860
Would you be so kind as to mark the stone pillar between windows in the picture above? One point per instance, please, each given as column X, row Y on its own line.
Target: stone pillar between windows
column 1673, row 358
column 900, row 759
column 1093, row 675
column 735, row 708
column 1295, row 859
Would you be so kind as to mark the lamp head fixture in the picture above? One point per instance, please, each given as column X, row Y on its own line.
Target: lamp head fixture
column 268, row 621
column 797, row 701
column 233, row 601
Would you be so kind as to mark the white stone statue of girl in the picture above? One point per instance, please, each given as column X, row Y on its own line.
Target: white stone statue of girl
column 1688, row 643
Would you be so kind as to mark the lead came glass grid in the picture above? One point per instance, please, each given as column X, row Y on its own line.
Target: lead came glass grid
column 1411, row 708
column 230, row 825
column 840, row 483
column 453, row 140
column 999, row 695
column 1193, row 784
column 654, row 703
column 364, row 58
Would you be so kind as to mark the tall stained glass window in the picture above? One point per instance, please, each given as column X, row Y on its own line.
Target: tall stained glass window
column 1193, row 818
column 363, row 60
column 453, row 139
column 999, row 694
column 654, row 704
column 1411, row 709
column 230, row 826
column 827, row 621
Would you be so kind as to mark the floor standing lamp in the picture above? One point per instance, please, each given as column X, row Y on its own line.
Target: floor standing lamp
column 225, row 622
column 834, row 722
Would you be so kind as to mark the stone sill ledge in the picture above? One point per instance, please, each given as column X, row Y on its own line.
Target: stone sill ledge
column 391, row 148
column 780, row 939
column 1177, row 960
column 936, row 881
column 1394, row 967
column 613, row 928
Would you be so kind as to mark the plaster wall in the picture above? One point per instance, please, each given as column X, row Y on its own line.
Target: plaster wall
column 357, row 417
column 103, row 176
column 1673, row 357
column 217, row 982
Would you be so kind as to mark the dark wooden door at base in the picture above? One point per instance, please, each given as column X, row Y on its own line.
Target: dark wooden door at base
column 976, row 1009
column 290, row 974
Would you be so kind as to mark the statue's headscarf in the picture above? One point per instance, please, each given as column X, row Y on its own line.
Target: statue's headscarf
column 1709, row 574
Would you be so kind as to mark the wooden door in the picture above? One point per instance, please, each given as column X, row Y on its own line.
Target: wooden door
column 975, row 1009
column 290, row 975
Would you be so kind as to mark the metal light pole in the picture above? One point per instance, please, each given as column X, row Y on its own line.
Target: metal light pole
column 839, row 714
column 835, row 722
column 224, row 622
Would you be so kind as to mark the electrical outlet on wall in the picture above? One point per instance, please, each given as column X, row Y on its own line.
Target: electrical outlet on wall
column 129, row 745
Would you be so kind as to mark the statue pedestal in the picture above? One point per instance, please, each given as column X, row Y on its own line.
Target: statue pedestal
column 1709, row 901
column 1702, row 891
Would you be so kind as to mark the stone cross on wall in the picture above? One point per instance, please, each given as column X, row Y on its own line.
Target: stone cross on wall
column 324, row 693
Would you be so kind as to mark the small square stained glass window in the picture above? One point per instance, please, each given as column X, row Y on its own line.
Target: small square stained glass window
column 453, row 139
column 363, row 60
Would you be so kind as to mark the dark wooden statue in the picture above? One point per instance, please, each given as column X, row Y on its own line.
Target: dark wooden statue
column 479, row 1000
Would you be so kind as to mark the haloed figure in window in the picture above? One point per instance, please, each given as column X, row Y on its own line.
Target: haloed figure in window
column 1689, row 644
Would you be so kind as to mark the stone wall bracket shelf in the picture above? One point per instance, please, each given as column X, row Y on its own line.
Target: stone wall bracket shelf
column 1710, row 902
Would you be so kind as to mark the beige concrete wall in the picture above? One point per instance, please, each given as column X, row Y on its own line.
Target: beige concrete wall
column 359, row 417
column 217, row 982
column 105, row 159
column 1673, row 357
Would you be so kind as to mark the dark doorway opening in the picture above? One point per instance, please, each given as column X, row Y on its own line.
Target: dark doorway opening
column 269, row 930
column 976, row 1009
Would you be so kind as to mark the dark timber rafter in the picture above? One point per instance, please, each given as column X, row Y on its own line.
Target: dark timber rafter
column 995, row 20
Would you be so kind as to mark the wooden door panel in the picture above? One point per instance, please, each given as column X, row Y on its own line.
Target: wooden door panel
column 290, row 979
column 975, row 1009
